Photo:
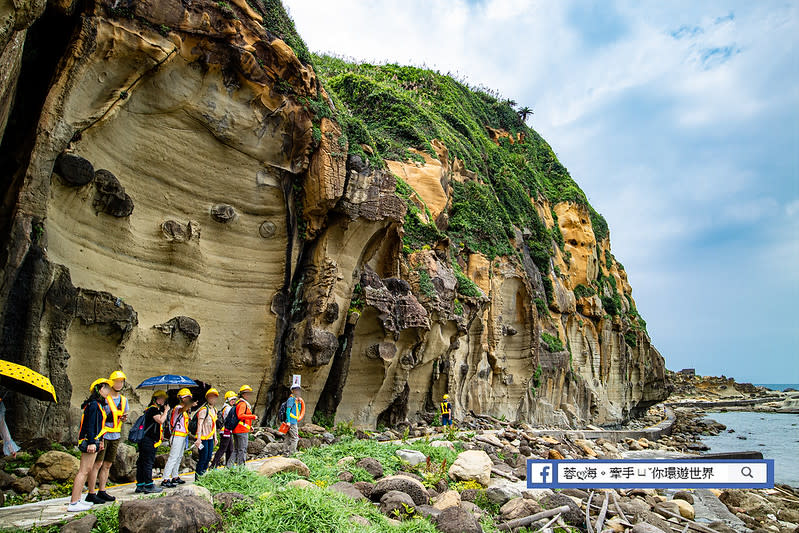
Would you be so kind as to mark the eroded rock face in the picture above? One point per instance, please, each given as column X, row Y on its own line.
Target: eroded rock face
column 300, row 268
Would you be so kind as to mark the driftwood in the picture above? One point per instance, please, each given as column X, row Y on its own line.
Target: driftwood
column 600, row 521
column 500, row 473
column 588, row 513
column 484, row 440
column 618, row 507
column 689, row 523
column 527, row 520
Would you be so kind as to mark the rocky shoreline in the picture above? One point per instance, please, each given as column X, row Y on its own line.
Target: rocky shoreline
column 469, row 480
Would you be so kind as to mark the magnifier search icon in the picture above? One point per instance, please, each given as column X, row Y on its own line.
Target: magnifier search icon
column 747, row 472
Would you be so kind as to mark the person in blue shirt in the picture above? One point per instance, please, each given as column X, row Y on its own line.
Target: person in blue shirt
column 295, row 411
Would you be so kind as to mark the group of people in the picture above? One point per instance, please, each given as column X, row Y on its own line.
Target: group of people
column 185, row 425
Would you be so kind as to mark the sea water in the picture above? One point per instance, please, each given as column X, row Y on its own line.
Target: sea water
column 779, row 386
column 775, row 435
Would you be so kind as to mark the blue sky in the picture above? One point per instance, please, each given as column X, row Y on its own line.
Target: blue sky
column 680, row 121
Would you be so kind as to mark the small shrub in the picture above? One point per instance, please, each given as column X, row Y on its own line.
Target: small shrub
column 553, row 344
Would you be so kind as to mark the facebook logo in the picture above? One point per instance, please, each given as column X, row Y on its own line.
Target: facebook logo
column 540, row 474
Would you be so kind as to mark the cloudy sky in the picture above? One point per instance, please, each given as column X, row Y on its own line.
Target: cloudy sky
column 679, row 119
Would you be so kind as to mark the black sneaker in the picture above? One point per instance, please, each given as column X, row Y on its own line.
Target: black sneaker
column 151, row 489
column 139, row 489
column 93, row 498
column 177, row 481
column 103, row 495
column 167, row 484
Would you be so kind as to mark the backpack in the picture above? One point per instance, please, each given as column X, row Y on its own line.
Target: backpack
column 193, row 423
column 281, row 412
column 232, row 419
column 138, row 431
column 168, row 425
column 220, row 422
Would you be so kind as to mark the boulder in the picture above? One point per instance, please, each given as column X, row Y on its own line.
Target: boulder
column 347, row 489
column 365, row 487
column 554, row 454
column 313, row 429
column 409, row 486
column 451, row 498
column 170, row 514
column 472, row 465
column 227, row 500
column 686, row 510
column 275, row 465
column 396, row 504
column 81, row 525
column 123, row 468
column 427, row 511
column 74, row 169
column 110, row 196
column 721, row 527
column 586, row 446
column 652, row 519
column 23, row 485
column 193, row 490
column 412, row 457
column 664, row 508
column 5, row 480
column 519, row 508
column 346, row 476
column 255, row 446
column 684, row 495
column 372, row 466
column 457, row 520
column 574, row 516
column 55, row 466
column 501, row 494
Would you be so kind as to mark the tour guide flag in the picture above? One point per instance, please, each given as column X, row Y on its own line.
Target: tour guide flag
column 295, row 381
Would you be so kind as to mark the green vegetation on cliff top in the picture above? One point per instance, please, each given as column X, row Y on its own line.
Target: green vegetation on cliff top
column 396, row 108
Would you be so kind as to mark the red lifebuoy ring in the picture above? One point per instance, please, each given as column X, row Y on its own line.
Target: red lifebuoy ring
column 302, row 411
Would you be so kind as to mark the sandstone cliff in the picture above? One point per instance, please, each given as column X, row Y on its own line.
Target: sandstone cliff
column 187, row 190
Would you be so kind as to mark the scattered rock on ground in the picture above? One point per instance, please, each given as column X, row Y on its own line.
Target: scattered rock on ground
column 365, row 487
column 23, row 485
column 412, row 457
column 409, row 486
column 519, row 508
column 372, row 466
column 81, row 525
column 124, row 466
column 397, row 504
column 347, row 489
column 501, row 494
column 274, row 465
column 574, row 516
column 55, row 466
column 179, row 514
column 684, row 495
column 457, row 520
column 228, row 500
column 643, row 527
column 472, row 465
column 451, row 498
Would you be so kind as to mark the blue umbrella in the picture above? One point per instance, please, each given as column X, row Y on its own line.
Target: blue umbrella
column 166, row 381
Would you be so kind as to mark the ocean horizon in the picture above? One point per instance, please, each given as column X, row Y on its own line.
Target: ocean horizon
column 778, row 386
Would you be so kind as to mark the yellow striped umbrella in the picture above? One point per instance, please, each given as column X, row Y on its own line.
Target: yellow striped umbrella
column 25, row 381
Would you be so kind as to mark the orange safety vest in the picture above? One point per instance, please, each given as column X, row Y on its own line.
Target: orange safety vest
column 116, row 414
column 102, row 431
column 210, row 413
column 173, row 422
column 445, row 409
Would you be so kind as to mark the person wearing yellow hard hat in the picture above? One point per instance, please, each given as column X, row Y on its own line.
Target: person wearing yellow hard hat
column 446, row 411
column 116, row 412
column 241, row 432
column 206, row 431
column 90, row 439
column 154, row 417
column 178, row 442
column 226, row 439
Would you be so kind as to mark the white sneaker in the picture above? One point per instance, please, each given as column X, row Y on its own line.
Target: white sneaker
column 79, row 506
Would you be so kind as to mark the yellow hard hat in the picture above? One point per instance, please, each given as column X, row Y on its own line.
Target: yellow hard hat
column 211, row 391
column 245, row 388
column 229, row 394
column 117, row 374
column 160, row 394
column 100, row 381
column 446, row 396
column 184, row 392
